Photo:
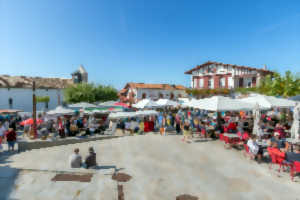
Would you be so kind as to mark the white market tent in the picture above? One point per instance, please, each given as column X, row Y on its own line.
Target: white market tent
column 190, row 103
column 108, row 103
column 167, row 102
column 220, row 103
column 120, row 115
column 268, row 102
column 295, row 98
column 146, row 103
column 82, row 105
column 59, row 110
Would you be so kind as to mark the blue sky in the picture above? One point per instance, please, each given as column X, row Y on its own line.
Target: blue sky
column 153, row 41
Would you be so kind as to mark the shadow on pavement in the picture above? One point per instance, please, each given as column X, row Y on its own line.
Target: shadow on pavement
column 8, row 176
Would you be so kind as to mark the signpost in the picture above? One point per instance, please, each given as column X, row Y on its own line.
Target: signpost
column 34, row 111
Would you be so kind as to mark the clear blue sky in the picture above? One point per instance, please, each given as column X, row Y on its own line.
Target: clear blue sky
column 153, row 41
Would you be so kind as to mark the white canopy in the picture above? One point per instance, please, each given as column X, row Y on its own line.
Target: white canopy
column 220, row 103
column 119, row 115
column 107, row 103
column 59, row 110
column 167, row 102
column 146, row 103
column 190, row 103
column 268, row 102
column 295, row 130
column 82, row 105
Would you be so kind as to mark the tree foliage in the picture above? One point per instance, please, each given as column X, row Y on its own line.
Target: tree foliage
column 89, row 92
column 42, row 99
column 200, row 93
column 276, row 85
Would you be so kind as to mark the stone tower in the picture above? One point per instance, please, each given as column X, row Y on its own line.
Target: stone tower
column 80, row 75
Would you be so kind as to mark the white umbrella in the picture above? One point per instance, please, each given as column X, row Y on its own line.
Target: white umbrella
column 120, row 115
column 220, row 103
column 295, row 130
column 268, row 102
column 256, row 127
column 59, row 110
column 146, row 103
column 82, row 105
column 167, row 102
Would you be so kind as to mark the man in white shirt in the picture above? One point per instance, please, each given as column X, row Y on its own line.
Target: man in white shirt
column 254, row 148
column 75, row 159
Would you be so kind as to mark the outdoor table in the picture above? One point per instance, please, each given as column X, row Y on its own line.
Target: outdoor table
column 231, row 139
column 293, row 142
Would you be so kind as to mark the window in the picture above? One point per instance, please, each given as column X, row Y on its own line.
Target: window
column 210, row 83
column 144, row 96
column 161, row 96
column 222, row 82
column 201, row 83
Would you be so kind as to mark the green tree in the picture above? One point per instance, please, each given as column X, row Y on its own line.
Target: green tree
column 89, row 92
column 278, row 85
column 43, row 99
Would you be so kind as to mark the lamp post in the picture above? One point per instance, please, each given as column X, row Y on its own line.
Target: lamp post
column 34, row 110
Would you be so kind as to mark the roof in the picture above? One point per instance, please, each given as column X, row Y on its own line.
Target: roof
column 7, row 81
column 154, row 86
column 80, row 70
column 228, row 65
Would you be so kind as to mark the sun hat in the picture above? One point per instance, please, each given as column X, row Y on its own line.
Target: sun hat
column 276, row 134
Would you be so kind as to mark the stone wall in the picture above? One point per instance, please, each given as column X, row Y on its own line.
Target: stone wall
column 29, row 145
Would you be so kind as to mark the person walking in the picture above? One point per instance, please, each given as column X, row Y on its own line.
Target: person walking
column 11, row 138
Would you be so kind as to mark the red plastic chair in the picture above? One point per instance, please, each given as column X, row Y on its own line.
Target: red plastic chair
column 203, row 132
column 295, row 167
column 278, row 158
column 221, row 137
column 272, row 156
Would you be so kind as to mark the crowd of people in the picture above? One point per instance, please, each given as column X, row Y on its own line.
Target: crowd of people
column 8, row 133
column 273, row 128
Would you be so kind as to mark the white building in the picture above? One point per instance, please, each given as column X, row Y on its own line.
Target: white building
column 212, row 75
column 133, row 92
column 16, row 91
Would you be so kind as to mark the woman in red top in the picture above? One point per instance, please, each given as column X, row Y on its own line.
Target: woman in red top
column 11, row 138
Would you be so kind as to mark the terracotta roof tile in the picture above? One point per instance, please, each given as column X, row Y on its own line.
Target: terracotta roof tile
column 155, row 86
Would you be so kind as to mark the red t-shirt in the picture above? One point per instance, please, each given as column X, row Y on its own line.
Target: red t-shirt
column 11, row 135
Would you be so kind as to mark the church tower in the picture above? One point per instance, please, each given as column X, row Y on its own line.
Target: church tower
column 80, row 75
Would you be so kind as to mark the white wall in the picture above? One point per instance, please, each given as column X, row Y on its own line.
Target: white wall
column 154, row 93
column 22, row 98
